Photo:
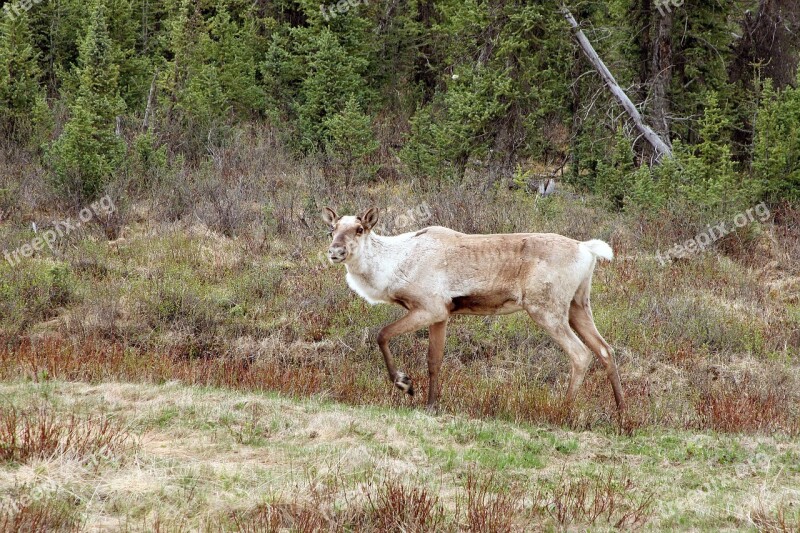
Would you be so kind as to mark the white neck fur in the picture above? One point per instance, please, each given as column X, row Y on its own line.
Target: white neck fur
column 372, row 269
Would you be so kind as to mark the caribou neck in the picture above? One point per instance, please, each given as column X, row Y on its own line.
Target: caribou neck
column 377, row 258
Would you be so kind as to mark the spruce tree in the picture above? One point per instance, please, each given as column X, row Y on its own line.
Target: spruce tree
column 89, row 150
column 776, row 146
column 232, row 49
column 350, row 140
column 211, row 79
column 22, row 101
column 332, row 80
column 135, row 68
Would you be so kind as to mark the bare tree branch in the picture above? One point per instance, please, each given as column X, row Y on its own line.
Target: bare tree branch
column 661, row 147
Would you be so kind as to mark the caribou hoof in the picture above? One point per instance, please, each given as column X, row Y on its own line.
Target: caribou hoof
column 403, row 383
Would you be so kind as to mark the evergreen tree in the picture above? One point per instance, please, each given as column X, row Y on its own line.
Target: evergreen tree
column 59, row 27
column 709, row 177
column 454, row 83
column 350, row 140
column 776, row 147
column 135, row 68
column 22, row 101
column 333, row 79
column 703, row 33
column 89, row 150
column 501, row 89
column 232, row 48
column 211, row 79
column 459, row 122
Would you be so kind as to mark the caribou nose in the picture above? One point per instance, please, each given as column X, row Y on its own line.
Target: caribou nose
column 336, row 254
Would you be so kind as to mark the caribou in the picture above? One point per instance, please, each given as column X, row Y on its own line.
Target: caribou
column 437, row 272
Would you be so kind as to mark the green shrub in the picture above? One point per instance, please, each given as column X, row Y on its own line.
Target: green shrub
column 33, row 291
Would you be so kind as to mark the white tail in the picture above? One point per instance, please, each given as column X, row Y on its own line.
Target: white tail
column 600, row 249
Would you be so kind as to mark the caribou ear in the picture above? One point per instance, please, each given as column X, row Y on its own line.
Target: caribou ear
column 369, row 218
column 329, row 216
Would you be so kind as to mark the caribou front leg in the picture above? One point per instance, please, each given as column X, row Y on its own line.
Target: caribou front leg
column 415, row 319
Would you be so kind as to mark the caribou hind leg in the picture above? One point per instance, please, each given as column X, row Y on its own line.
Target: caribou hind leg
column 557, row 326
column 581, row 320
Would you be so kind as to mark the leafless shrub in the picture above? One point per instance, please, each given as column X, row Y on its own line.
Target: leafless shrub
column 487, row 511
column 175, row 198
column 746, row 408
column 38, row 516
column 302, row 368
column 780, row 520
column 281, row 516
column 787, row 236
column 588, row 501
column 26, row 435
column 400, row 508
column 228, row 207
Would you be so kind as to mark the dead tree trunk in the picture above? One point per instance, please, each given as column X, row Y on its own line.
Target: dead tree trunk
column 660, row 147
column 148, row 111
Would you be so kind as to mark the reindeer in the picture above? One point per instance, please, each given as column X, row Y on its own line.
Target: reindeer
column 438, row 272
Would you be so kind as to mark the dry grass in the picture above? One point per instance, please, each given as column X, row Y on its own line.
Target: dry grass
column 780, row 520
column 277, row 517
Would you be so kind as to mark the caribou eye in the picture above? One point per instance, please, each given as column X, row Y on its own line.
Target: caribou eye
column 359, row 231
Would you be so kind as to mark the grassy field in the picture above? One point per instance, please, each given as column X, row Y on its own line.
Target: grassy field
column 185, row 458
column 196, row 364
